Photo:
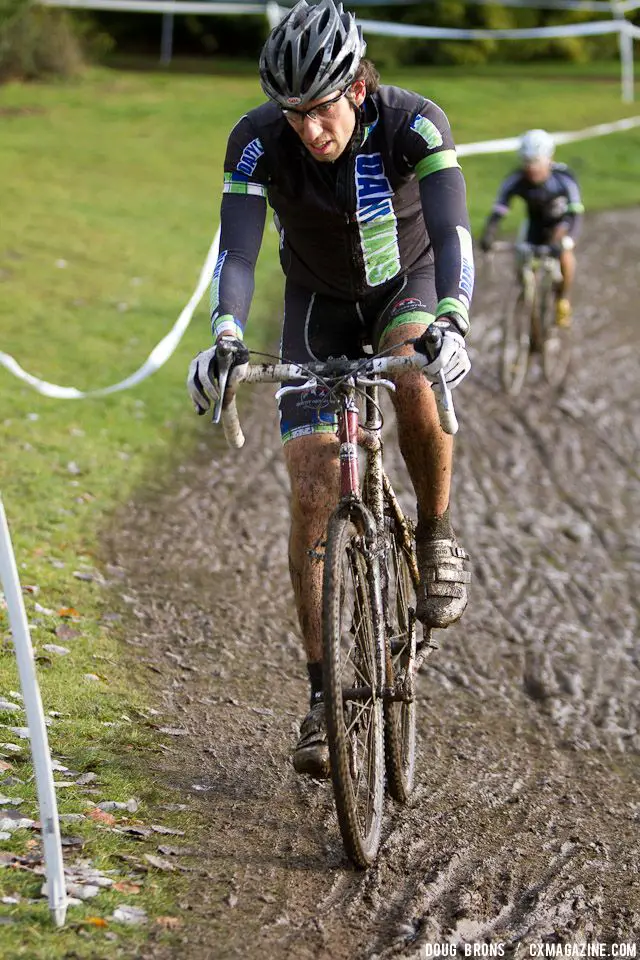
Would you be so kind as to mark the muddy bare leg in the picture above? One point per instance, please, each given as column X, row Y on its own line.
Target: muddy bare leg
column 428, row 454
column 312, row 463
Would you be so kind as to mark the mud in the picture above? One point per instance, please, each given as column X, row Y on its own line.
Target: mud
column 524, row 825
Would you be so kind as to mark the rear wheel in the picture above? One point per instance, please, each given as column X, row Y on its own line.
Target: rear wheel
column 399, row 600
column 514, row 352
column 353, row 683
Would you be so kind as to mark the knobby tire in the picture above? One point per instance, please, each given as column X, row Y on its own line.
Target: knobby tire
column 556, row 341
column 516, row 343
column 351, row 658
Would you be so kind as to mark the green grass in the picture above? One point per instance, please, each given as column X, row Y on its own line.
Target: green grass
column 111, row 189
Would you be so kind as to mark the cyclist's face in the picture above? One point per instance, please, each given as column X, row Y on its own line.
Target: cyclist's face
column 538, row 170
column 327, row 131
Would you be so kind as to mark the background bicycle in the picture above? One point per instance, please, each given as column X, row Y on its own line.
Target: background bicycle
column 528, row 321
column 372, row 642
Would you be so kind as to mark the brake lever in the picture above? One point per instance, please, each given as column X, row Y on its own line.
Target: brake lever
column 297, row 388
column 224, row 359
column 364, row 382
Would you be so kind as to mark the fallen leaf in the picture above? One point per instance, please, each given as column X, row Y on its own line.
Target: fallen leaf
column 158, row 862
column 129, row 805
column 21, row 732
column 138, row 832
column 72, row 842
column 40, row 609
column 176, row 851
column 125, row 887
column 97, row 922
column 100, row 816
column 131, row 915
column 86, row 778
column 68, row 612
column 169, row 923
column 7, row 706
column 5, row 766
column 54, row 648
column 9, row 824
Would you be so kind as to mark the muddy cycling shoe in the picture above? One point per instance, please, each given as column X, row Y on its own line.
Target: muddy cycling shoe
column 311, row 755
column 563, row 313
column 444, row 575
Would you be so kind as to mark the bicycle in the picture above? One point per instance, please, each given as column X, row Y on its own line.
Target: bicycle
column 372, row 653
column 528, row 323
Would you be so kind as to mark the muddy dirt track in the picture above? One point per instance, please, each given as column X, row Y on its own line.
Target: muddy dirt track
column 525, row 824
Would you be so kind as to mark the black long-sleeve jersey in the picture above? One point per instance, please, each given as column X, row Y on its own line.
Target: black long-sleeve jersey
column 393, row 200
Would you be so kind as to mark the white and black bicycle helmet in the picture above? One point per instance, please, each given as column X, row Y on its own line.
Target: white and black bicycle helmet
column 536, row 145
column 313, row 51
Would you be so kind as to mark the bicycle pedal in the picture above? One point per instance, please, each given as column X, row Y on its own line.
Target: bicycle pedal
column 429, row 644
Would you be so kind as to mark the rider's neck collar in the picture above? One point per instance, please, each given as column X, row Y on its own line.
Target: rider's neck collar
column 368, row 118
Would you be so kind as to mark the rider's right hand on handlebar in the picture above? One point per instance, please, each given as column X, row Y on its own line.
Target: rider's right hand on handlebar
column 202, row 381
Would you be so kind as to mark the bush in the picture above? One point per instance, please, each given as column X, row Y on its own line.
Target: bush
column 36, row 42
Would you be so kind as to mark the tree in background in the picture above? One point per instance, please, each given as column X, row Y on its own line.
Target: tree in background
column 36, row 41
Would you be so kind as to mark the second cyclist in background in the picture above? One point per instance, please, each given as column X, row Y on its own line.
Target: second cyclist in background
column 554, row 207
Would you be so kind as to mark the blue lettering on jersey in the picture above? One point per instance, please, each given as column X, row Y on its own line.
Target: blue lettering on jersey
column 377, row 220
column 250, row 156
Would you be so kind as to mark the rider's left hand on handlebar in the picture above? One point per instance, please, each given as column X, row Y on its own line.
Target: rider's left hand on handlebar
column 202, row 381
column 452, row 359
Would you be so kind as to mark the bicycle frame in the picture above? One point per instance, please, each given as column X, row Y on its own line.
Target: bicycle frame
column 370, row 507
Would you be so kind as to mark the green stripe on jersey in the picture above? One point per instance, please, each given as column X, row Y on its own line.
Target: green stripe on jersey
column 437, row 161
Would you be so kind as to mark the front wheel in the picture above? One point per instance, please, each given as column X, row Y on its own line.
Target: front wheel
column 556, row 341
column 353, row 686
column 399, row 598
column 516, row 340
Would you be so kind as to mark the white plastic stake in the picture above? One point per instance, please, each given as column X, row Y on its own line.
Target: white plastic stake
column 626, row 64
column 37, row 730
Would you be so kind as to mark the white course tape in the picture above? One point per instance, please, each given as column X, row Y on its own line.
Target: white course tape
column 158, row 356
column 454, row 33
column 512, row 143
column 199, row 7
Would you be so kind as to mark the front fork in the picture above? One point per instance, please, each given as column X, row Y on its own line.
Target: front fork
column 368, row 517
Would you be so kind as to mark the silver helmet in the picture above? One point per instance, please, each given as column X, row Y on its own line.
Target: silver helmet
column 313, row 51
column 536, row 145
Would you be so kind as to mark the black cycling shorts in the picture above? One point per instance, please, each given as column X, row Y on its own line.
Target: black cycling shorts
column 317, row 327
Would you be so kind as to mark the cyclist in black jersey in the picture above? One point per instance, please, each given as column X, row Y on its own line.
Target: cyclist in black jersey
column 554, row 207
column 375, row 245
